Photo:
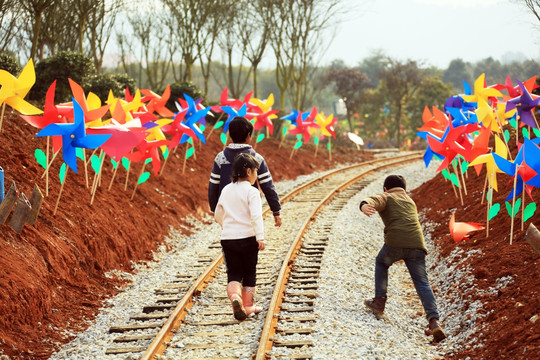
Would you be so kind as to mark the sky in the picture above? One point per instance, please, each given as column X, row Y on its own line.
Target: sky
column 435, row 31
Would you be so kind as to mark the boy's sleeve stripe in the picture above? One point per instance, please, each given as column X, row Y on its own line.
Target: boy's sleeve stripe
column 215, row 176
column 265, row 181
column 260, row 176
column 214, row 181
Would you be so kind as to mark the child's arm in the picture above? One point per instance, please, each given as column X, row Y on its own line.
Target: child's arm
column 213, row 186
column 373, row 204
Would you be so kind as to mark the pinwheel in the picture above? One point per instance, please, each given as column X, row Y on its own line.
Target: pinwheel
column 525, row 105
column 52, row 114
column 515, row 91
column 226, row 101
column 481, row 91
column 263, row 113
column 13, row 90
column 123, row 137
column 232, row 113
column 157, row 103
column 326, row 124
column 91, row 106
column 291, row 117
column 148, row 150
column 462, row 119
column 192, row 116
column 434, row 124
column 303, row 125
column 461, row 230
column 449, row 146
column 121, row 110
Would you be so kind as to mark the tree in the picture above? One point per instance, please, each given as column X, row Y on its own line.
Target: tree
column 534, row 7
column 349, row 84
column 33, row 10
column 401, row 80
column 373, row 65
column 457, row 72
column 9, row 13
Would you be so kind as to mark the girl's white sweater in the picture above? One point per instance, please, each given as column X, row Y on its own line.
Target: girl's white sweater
column 239, row 212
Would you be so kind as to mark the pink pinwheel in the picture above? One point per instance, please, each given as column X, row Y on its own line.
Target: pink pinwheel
column 525, row 106
column 303, row 126
column 51, row 114
column 148, row 150
column 124, row 137
column 157, row 103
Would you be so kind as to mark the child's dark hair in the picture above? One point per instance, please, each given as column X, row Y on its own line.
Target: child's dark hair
column 393, row 181
column 241, row 163
column 239, row 129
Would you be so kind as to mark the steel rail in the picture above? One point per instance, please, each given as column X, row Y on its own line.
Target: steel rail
column 158, row 344
column 269, row 327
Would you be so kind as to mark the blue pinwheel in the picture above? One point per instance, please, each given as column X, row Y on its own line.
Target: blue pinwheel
column 291, row 117
column 232, row 113
column 74, row 136
column 462, row 118
column 192, row 117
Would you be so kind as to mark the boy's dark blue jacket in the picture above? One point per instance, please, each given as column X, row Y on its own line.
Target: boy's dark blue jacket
column 222, row 171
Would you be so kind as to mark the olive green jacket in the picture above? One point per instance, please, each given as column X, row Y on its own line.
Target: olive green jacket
column 398, row 211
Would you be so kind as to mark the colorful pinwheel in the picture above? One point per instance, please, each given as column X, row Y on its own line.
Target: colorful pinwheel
column 74, row 136
column 525, row 106
column 461, row 230
column 13, row 90
column 158, row 103
column 91, row 106
column 303, row 127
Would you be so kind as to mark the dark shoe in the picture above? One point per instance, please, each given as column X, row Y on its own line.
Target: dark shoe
column 376, row 305
column 436, row 330
column 238, row 309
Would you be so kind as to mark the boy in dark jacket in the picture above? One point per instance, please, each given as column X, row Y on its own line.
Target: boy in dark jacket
column 403, row 240
column 240, row 131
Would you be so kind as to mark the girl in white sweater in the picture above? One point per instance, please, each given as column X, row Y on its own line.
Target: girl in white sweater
column 239, row 212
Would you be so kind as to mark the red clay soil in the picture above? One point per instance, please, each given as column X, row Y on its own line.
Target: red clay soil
column 53, row 278
column 52, row 275
column 511, row 329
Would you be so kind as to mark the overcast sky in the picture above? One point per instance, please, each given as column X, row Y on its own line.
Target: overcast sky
column 435, row 31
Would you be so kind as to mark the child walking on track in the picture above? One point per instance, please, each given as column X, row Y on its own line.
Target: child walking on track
column 239, row 212
column 403, row 240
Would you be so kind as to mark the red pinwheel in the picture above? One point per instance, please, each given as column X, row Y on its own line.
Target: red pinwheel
column 89, row 114
column 226, row 101
column 124, row 137
column 51, row 114
column 434, row 124
column 178, row 129
column 515, row 91
column 303, row 126
column 157, row 103
column 449, row 146
column 148, row 150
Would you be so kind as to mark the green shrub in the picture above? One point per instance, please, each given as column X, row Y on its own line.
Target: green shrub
column 180, row 88
column 101, row 85
column 126, row 81
column 9, row 64
column 60, row 67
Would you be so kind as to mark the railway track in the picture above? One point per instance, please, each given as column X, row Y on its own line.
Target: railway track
column 190, row 318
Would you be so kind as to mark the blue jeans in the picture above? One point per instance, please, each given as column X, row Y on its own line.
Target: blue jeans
column 415, row 260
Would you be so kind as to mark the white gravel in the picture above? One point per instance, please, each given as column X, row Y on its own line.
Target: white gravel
column 345, row 330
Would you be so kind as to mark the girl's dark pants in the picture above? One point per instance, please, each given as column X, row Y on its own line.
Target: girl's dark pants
column 241, row 256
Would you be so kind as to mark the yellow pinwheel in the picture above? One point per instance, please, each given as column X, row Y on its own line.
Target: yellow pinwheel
column 326, row 124
column 481, row 91
column 155, row 132
column 14, row 90
column 491, row 167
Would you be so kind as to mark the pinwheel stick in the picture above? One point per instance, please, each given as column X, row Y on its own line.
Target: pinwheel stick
column 60, row 192
column 165, row 162
column 484, row 188
column 185, row 159
column 459, row 185
column 2, row 116
column 523, row 206
column 127, row 175
column 316, row 148
column 113, row 176
column 330, row 148
column 462, row 178
column 49, row 164
column 513, row 206
column 137, row 184
column 490, row 200
column 97, row 177
column 213, row 128
column 46, row 172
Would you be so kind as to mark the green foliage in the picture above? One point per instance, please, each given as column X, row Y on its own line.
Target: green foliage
column 60, row 67
column 178, row 89
column 9, row 64
column 101, row 84
column 126, row 81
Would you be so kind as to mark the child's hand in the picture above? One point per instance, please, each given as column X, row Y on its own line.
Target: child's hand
column 262, row 244
column 368, row 209
column 277, row 221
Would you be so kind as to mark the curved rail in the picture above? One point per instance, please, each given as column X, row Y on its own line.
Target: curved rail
column 265, row 342
column 158, row 344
